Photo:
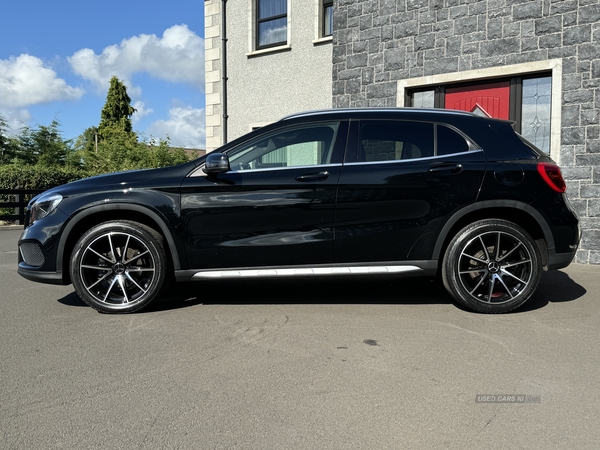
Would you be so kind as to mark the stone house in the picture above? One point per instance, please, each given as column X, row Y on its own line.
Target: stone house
column 535, row 62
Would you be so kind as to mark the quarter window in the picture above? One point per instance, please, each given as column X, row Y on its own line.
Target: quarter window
column 271, row 26
column 449, row 141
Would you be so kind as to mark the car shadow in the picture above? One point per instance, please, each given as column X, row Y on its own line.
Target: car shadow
column 555, row 286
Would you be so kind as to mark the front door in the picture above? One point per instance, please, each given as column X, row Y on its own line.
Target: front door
column 275, row 207
column 489, row 99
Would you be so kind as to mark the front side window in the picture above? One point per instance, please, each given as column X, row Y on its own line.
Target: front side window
column 271, row 26
column 307, row 145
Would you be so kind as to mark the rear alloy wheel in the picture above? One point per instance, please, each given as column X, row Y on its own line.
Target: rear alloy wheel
column 492, row 266
column 119, row 267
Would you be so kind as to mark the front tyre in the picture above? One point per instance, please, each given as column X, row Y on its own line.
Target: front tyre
column 119, row 267
column 491, row 266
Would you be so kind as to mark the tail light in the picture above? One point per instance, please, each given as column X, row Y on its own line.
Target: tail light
column 552, row 176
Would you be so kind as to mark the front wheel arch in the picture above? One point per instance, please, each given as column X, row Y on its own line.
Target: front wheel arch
column 86, row 219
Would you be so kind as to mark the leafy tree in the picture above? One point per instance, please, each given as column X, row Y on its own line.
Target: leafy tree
column 117, row 111
column 43, row 145
column 87, row 140
column 7, row 144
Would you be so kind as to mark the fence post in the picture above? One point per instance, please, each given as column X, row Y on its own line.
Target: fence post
column 19, row 209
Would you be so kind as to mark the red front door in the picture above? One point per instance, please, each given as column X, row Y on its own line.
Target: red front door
column 490, row 99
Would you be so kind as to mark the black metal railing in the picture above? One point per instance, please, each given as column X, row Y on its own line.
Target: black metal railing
column 16, row 199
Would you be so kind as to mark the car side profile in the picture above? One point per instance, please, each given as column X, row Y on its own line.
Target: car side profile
column 344, row 192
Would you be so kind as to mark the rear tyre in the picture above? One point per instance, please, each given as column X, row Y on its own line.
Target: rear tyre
column 119, row 267
column 491, row 266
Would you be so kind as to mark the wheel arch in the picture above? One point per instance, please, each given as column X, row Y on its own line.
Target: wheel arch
column 520, row 213
column 94, row 215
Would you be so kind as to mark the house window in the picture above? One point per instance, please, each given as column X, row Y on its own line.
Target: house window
column 327, row 14
column 526, row 100
column 535, row 112
column 271, row 23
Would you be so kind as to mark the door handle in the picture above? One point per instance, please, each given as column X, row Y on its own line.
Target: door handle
column 317, row 176
column 448, row 169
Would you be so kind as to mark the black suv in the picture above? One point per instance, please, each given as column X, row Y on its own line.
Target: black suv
column 337, row 192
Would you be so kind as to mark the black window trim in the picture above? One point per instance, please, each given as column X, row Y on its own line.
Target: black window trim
column 354, row 137
column 324, row 5
column 259, row 21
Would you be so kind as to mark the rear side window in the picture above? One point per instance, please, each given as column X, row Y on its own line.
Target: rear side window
column 395, row 140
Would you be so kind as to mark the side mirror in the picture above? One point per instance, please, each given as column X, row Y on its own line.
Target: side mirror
column 216, row 163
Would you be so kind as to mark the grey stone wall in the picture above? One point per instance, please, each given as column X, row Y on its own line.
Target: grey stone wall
column 378, row 42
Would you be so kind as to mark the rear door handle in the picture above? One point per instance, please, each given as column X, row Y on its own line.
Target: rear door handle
column 317, row 176
column 449, row 169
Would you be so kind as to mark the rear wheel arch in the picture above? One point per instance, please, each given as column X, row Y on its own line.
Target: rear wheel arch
column 519, row 213
column 91, row 217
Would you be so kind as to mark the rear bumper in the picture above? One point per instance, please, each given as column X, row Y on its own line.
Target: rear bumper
column 559, row 260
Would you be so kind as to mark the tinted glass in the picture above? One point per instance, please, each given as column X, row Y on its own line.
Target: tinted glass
column 395, row 140
column 449, row 141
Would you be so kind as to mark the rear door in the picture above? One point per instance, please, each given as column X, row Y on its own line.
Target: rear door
column 399, row 184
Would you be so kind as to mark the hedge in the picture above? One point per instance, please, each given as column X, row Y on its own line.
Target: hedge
column 38, row 177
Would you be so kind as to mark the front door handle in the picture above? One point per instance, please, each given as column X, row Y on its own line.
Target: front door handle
column 317, row 176
column 448, row 169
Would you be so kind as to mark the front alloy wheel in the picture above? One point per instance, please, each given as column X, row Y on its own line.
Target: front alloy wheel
column 492, row 266
column 119, row 266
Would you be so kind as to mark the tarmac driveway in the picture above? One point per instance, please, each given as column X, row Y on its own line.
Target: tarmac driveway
column 311, row 364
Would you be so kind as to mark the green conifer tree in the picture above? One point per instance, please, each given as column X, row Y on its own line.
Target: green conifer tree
column 117, row 111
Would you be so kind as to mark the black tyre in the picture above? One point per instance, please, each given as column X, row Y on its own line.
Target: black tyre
column 492, row 266
column 119, row 267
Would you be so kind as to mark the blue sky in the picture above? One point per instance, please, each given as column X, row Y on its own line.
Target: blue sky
column 56, row 59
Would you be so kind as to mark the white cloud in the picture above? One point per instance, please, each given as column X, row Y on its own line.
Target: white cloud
column 178, row 56
column 141, row 111
column 15, row 118
column 25, row 81
column 185, row 127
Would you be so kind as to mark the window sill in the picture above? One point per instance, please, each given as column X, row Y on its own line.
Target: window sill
column 266, row 51
column 323, row 40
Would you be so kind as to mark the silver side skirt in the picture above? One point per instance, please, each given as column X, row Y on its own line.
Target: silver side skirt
column 305, row 271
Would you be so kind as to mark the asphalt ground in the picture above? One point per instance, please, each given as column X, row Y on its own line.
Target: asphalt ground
column 311, row 364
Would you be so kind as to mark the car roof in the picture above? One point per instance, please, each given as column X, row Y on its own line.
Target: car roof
column 349, row 112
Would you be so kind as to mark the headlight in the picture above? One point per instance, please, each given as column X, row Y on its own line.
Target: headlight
column 44, row 205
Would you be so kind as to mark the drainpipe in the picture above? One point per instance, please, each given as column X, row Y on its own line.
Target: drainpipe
column 224, row 65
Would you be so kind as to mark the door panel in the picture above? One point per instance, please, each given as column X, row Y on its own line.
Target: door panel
column 394, row 210
column 276, row 208
column 260, row 218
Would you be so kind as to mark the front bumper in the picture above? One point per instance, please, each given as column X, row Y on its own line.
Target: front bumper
column 41, row 277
